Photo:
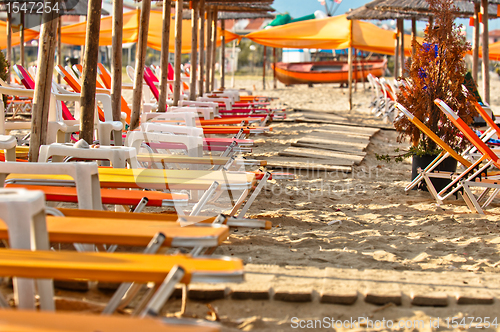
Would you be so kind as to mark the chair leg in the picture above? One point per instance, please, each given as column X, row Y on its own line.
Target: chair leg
column 164, row 292
column 254, row 195
column 118, row 297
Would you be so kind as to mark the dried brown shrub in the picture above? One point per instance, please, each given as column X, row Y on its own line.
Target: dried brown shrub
column 432, row 76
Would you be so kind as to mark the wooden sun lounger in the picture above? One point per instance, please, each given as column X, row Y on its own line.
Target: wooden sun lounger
column 128, row 232
column 148, row 179
column 167, row 217
column 178, row 159
column 116, row 267
column 31, row 321
column 108, row 196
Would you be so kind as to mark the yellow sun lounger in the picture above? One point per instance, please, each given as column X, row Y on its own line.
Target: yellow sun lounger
column 129, row 232
column 31, row 321
column 120, row 267
column 149, row 179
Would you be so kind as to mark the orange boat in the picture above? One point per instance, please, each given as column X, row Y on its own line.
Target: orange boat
column 326, row 71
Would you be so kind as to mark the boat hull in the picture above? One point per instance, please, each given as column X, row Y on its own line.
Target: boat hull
column 326, row 71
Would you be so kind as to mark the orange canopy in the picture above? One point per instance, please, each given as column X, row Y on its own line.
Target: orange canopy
column 75, row 34
column 330, row 33
column 28, row 35
column 493, row 50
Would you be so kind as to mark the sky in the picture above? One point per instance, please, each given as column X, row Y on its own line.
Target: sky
column 298, row 8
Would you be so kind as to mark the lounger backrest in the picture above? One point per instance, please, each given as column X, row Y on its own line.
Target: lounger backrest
column 151, row 84
column 433, row 136
column 25, row 77
column 70, row 80
column 106, row 80
column 467, row 131
column 481, row 111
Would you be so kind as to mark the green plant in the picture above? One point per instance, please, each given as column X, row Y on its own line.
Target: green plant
column 437, row 71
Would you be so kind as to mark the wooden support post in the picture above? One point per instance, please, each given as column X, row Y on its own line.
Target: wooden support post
column 355, row 64
column 209, row 51
column 140, row 59
column 201, row 8
column 486, row 53
column 349, row 64
column 349, row 75
column 413, row 36
column 363, row 77
column 402, row 54
column 178, row 51
column 59, row 45
column 21, row 42
column 396, row 57
column 43, row 82
column 275, row 82
column 9, row 44
column 116, row 62
column 213, row 58
column 264, row 68
column 223, row 56
column 89, row 74
column 165, row 39
column 194, row 51
column 475, row 42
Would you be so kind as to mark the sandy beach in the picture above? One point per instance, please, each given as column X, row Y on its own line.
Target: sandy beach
column 361, row 222
column 353, row 233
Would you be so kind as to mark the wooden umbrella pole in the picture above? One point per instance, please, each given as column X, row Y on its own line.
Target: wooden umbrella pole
column 213, row 58
column 264, row 69
column 475, row 42
column 59, row 46
column 356, row 74
column 209, row 50
column 223, row 56
column 402, row 54
column 165, row 38
column 9, row 44
column 486, row 60
column 140, row 59
column 201, row 8
column 349, row 61
column 194, row 51
column 21, row 42
column 89, row 74
column 43, row 82
column 363, row 72
column 178, row 52
column 413, row 36
column 275, row 82
column 116, row 62
column 396, row 57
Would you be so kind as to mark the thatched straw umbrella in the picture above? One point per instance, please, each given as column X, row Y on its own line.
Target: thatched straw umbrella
column 225, row 11
column 465, row 8
column 368, row 12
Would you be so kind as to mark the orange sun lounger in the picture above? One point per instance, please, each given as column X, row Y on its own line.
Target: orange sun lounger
column 109, row 196
column 166, row 217
column 128, row 231
column 43, row 321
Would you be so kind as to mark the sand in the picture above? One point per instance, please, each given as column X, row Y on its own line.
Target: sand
column 376, row 227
